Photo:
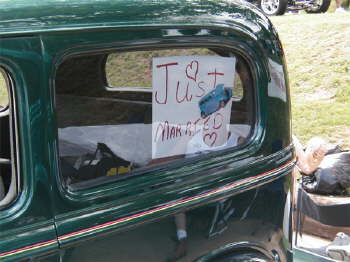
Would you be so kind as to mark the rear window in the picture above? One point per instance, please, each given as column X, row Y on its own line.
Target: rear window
column 121, row 113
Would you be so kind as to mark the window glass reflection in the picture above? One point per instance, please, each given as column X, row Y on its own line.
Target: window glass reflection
column 147, row 112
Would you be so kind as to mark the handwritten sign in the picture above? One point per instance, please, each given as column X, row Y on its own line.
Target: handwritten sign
column 191, row 103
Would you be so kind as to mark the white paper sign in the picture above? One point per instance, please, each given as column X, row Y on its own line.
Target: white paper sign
column 191, row 104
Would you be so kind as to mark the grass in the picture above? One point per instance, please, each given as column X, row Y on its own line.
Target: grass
column 317, row 49
column 3, row 91
column 139, row 74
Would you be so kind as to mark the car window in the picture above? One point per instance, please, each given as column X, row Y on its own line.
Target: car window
column 8, row 177
column 127, row 111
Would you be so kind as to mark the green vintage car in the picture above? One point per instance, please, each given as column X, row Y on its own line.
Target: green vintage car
column 104, row 155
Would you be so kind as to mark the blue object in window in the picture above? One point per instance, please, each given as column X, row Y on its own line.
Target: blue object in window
column 214, row 100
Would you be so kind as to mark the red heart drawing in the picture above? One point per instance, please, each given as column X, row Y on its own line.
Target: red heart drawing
column 192, row 70
column 211, row 138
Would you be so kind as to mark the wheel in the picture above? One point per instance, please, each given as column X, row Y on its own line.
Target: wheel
column 273, row 7
column 319, row 6
column 248, row 256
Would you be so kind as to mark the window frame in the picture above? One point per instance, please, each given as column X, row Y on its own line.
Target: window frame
column 177, row 163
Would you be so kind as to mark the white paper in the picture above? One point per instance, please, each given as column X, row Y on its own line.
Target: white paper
column 179, row 83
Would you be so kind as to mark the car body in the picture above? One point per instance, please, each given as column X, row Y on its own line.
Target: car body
column 58, row 57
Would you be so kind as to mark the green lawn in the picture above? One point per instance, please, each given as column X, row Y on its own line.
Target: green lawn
column 317, row 48
column 3, row 91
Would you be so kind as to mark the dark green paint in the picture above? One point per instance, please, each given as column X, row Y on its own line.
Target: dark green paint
column 35, row 36
column 30, row 219
column 19, row 16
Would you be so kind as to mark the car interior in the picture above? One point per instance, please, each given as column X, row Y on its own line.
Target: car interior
column 103, row 114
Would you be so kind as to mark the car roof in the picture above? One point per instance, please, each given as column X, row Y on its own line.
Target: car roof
column 41, row 16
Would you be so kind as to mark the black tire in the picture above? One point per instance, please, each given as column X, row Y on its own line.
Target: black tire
column 320, row 6
column 248, row 256
column 273, row 7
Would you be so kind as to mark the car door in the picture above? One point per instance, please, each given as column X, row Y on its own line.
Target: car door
column 27, row 230
column 130, row 209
